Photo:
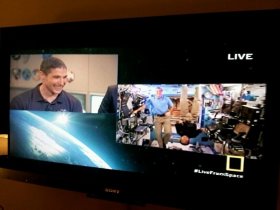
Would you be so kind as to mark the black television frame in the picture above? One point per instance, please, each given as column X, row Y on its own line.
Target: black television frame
column 180, row 42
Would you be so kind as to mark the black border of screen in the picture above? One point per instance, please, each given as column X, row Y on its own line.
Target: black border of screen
column 208, row 38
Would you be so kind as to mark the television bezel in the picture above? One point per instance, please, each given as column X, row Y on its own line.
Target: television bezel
column 153, row 35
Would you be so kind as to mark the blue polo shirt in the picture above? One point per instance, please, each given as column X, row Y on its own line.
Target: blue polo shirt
column 159, row 106
column 33, row 100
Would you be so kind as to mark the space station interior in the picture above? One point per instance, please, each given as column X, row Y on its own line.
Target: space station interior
column 231, row 121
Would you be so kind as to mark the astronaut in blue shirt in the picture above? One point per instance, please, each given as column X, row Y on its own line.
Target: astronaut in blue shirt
column 248, row 96
column 161, row 107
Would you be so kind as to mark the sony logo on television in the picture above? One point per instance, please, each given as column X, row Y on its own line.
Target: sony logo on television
column 111, row 190
column 240, row 56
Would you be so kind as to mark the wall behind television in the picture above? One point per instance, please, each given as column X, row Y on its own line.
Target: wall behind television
column 20, row 12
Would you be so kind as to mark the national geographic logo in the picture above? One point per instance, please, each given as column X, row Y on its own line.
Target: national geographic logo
column 235, row 163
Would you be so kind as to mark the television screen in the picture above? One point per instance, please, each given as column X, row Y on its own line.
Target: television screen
column 148, row 110
column 87, row 76
column 201, row 118
column 62, row 137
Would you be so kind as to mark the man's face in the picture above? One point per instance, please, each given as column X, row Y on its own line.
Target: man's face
column 158, row 92
column 55, row 81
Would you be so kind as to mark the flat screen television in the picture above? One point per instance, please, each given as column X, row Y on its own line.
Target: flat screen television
column 203, row 67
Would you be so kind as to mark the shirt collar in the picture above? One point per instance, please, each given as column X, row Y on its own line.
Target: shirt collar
column 38, row 96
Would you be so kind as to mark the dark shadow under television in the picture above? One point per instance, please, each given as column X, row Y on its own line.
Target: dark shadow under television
column 199, row 60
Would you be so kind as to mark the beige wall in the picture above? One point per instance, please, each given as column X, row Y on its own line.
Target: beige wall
column 29, row 12
column 93, row 73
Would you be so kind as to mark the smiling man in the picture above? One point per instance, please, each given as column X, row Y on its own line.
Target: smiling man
column 49, row 94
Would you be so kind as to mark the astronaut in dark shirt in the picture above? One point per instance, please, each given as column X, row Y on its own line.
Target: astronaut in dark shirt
column 201, row 139
column 48, row 95
column 109, row 102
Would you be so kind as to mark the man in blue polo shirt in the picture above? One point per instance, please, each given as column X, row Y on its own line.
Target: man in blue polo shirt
column 161, row 108
column 48, row 95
